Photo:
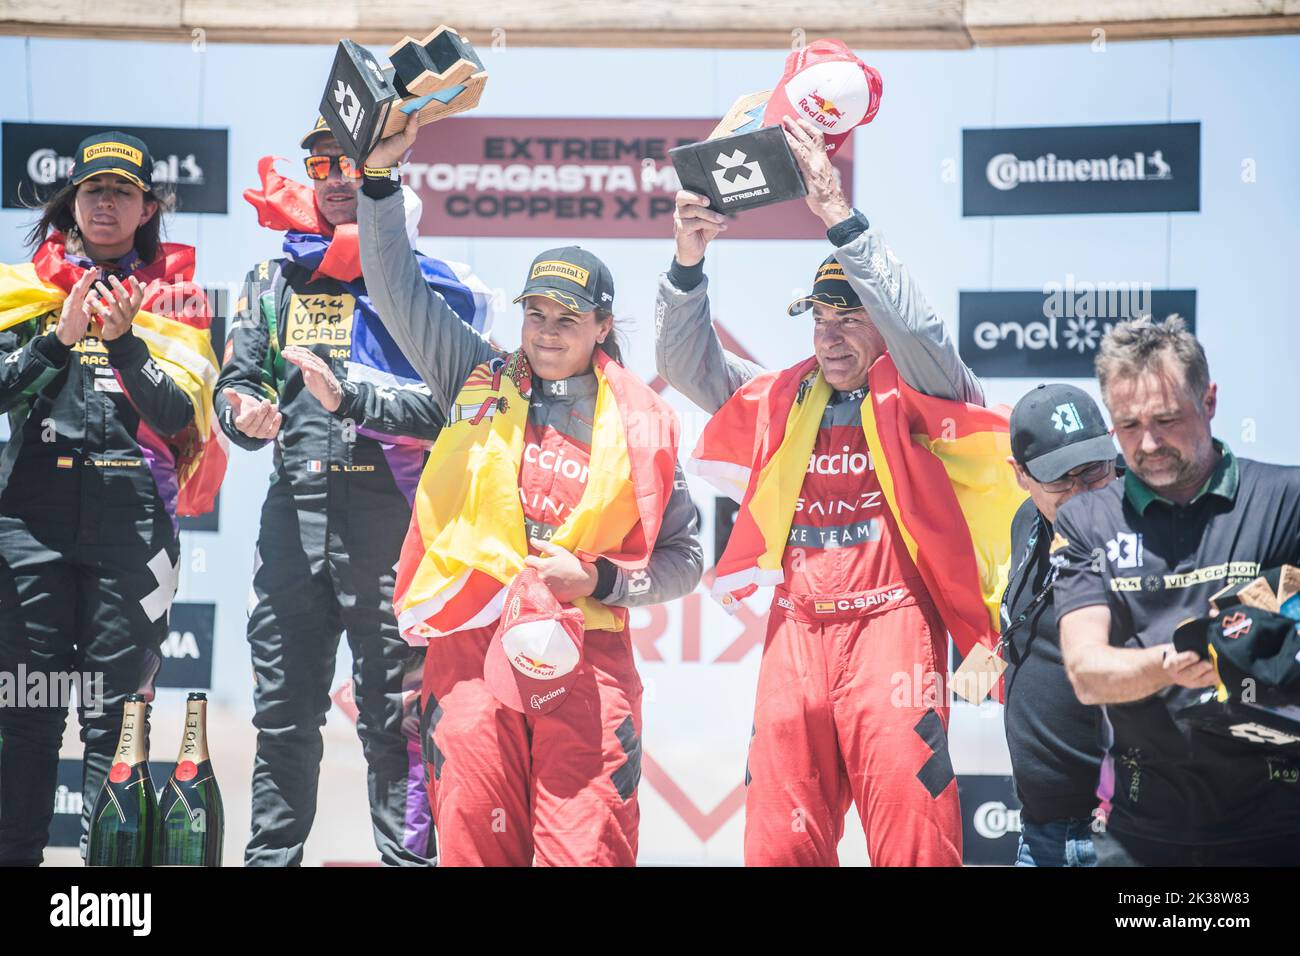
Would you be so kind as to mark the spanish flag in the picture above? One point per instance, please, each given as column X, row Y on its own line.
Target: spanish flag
column 465, row 543
column 941, row 466
column 173, row 323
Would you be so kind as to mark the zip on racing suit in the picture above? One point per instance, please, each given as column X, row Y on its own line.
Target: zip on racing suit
column 331, row 529
column 852, row 613
column 88, row 548
column 510, row 789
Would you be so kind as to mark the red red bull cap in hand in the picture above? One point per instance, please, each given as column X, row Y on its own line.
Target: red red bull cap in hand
column 827, row 85
column 536, row 653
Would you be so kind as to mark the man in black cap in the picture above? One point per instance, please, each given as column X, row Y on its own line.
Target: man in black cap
column 847, row 581
column 1060, row 447
column 349, row 447
column 1143, row 555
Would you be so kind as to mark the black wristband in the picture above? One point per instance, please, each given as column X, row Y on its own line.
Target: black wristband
column 351, row 395
column 379, row 188
column 842, row 233
column 685, row 278
column 126, row 350
column 606, row 577
column 51, row 349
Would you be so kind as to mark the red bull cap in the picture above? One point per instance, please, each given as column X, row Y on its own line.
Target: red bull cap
column 536, row 653
column 827, row 85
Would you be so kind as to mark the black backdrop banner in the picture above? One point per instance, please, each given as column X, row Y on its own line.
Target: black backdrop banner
column 1038, row 170
column 36, row 159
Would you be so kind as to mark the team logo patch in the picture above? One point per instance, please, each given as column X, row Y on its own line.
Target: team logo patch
column 120, row 150
column 1237, row 625
column 319, row 320
column 1066, row 418
column 1125, row 550
column 561, row 270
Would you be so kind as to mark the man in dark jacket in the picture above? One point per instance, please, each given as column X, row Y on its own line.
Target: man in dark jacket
column 349, row 448
column 1060, row 447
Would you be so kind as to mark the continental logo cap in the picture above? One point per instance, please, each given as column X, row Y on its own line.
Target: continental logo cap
column 571, row 276
column 830, row 287
column 114, row 152
column 320, row 128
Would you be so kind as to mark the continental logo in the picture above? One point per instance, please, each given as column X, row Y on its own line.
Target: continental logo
column 561, row 270
column 831, row 270
column 117, row 150
column 1231, row 571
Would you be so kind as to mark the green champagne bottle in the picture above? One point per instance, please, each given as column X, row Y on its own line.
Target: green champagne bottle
column 123, row 821
column 191, row 823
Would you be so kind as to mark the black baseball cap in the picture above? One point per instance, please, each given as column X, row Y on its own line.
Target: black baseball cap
column 114, row 152
column 1249, row 642
column 1055, row 429
column 830, row 287
column 321, row 128
column 573, row 277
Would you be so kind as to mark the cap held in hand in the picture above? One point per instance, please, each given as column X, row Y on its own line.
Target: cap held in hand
column 536, row 653
column 827, row 85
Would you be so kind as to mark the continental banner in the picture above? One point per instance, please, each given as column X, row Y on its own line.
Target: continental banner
column 596, row 178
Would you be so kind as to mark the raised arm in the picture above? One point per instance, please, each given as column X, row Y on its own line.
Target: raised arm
column 441, row 347
column 917, row 339
column 688, row 352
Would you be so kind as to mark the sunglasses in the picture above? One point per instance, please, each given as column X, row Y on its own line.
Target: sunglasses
column 318, row 167
column 1087, row 476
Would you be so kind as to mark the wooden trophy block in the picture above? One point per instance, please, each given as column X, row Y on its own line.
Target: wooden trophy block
column 442, row 59
column 438, row 77
column 746, row 114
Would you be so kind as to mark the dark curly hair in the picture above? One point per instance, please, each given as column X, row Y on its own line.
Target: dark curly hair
column 58, row 213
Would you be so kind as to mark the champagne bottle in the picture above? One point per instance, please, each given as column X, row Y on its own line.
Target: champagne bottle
column 191, row 823
column 123, row 821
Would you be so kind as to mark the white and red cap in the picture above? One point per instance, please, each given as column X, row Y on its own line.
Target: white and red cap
column 536, row 653
column 827, row 85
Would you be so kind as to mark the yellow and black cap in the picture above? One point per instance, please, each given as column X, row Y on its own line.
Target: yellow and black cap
column 573, row 277
column 830, row 287
column 114, row 152
column 320, row 129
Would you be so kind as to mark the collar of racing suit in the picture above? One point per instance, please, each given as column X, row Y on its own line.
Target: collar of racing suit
column 577, row 386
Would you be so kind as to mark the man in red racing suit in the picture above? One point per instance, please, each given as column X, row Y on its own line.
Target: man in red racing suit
column 851, row 702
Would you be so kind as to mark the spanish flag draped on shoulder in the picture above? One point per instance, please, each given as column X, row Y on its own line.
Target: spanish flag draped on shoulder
column 465, row 543
column 941, row 466
column 173, row 322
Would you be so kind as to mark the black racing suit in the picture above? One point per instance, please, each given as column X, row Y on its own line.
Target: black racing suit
column 332, row 526
column 88, row 554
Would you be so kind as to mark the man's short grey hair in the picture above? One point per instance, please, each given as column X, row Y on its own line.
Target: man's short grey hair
column 1138, row 345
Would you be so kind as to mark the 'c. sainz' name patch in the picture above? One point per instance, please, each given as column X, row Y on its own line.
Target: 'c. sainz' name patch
column 319, row 320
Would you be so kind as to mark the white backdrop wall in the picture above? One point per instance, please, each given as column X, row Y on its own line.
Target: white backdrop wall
column 1239, row 252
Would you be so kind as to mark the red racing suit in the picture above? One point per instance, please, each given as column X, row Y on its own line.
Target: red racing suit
column 852, row 701
column 509, row 789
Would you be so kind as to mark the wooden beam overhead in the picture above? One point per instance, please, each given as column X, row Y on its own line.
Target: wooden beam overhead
column 724, row 24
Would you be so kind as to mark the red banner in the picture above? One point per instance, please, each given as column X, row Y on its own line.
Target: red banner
column 586, row 178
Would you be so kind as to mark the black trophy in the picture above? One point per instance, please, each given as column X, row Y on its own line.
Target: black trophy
column 433, row 78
